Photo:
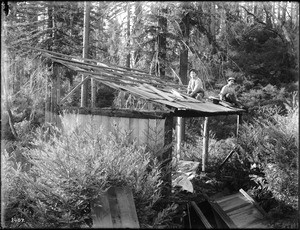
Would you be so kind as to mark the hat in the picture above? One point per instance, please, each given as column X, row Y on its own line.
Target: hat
column 231, row 78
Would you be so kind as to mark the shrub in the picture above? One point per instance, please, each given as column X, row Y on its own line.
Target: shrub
column 71, row 169
column 272, row 145
column 14, row 197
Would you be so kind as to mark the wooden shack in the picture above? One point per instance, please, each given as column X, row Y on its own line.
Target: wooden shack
column 169, row 96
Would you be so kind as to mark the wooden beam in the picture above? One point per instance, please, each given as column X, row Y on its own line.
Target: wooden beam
column 195, row 113
column 73, row 90
column 205, row 144
column 111, row 66
column 146, row 114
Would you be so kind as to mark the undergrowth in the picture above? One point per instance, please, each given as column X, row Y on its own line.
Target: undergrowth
column 69, row 170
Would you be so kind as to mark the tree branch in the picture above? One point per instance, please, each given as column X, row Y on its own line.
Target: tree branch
column 255, row 18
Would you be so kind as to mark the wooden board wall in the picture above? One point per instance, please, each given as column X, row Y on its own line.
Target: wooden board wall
column 140, row 131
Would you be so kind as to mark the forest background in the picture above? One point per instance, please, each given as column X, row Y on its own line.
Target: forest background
column 255, row 42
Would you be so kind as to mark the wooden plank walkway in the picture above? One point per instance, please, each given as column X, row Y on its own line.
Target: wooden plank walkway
column 238, row 210
column 115, row 209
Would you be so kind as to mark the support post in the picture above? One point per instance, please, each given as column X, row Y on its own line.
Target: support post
column 53, row 106
column 238, row 122
column 166, row 159
column 179, row 136
column 93, row 93
column 205, row 144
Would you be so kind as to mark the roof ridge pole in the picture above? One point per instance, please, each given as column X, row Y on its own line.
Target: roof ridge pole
column 205, row 144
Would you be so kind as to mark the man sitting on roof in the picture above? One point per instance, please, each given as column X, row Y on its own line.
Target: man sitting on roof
column 228, row 93
column 195, row 87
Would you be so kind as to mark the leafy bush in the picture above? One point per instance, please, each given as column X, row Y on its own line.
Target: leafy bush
column 14, row 197
column 259, row 99
column 71, row 169
column 272, row 145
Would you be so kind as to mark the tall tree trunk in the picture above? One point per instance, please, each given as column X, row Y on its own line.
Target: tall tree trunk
column 50, row 26
column 183, row 65
column 223, row 20
column 137, row 27
column 254, row 8
column 297, row 17
column 292, row 14
column 183, row 69
column 278, row 11
column 284, row 12
column 237, row 10
column 273, row 12
column 49, row 81
column 268, row 10
column 213, row 21
column 128, row 36
column 7, row 124
column 86, row 30
column 162, row 44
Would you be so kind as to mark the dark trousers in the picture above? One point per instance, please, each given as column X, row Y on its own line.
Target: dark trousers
column 229, row 97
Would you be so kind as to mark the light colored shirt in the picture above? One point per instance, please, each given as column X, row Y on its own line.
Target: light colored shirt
column 227, row 89
column 195, row 85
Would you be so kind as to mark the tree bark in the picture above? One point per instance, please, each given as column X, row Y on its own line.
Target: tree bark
column 213, row 21
column 128, row 36
column 297, row 17
column 50, row 48
column 284, row 11
column 166, row 161
column 183, row 69
column 86, row 30
column 292, row 14
column 278, row 11
column 137, row 27
column 162, row 44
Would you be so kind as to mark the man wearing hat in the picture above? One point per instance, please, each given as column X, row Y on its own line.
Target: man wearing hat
column 228, row 92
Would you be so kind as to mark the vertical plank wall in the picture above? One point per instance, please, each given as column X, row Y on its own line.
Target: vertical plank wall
column 140, row 131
